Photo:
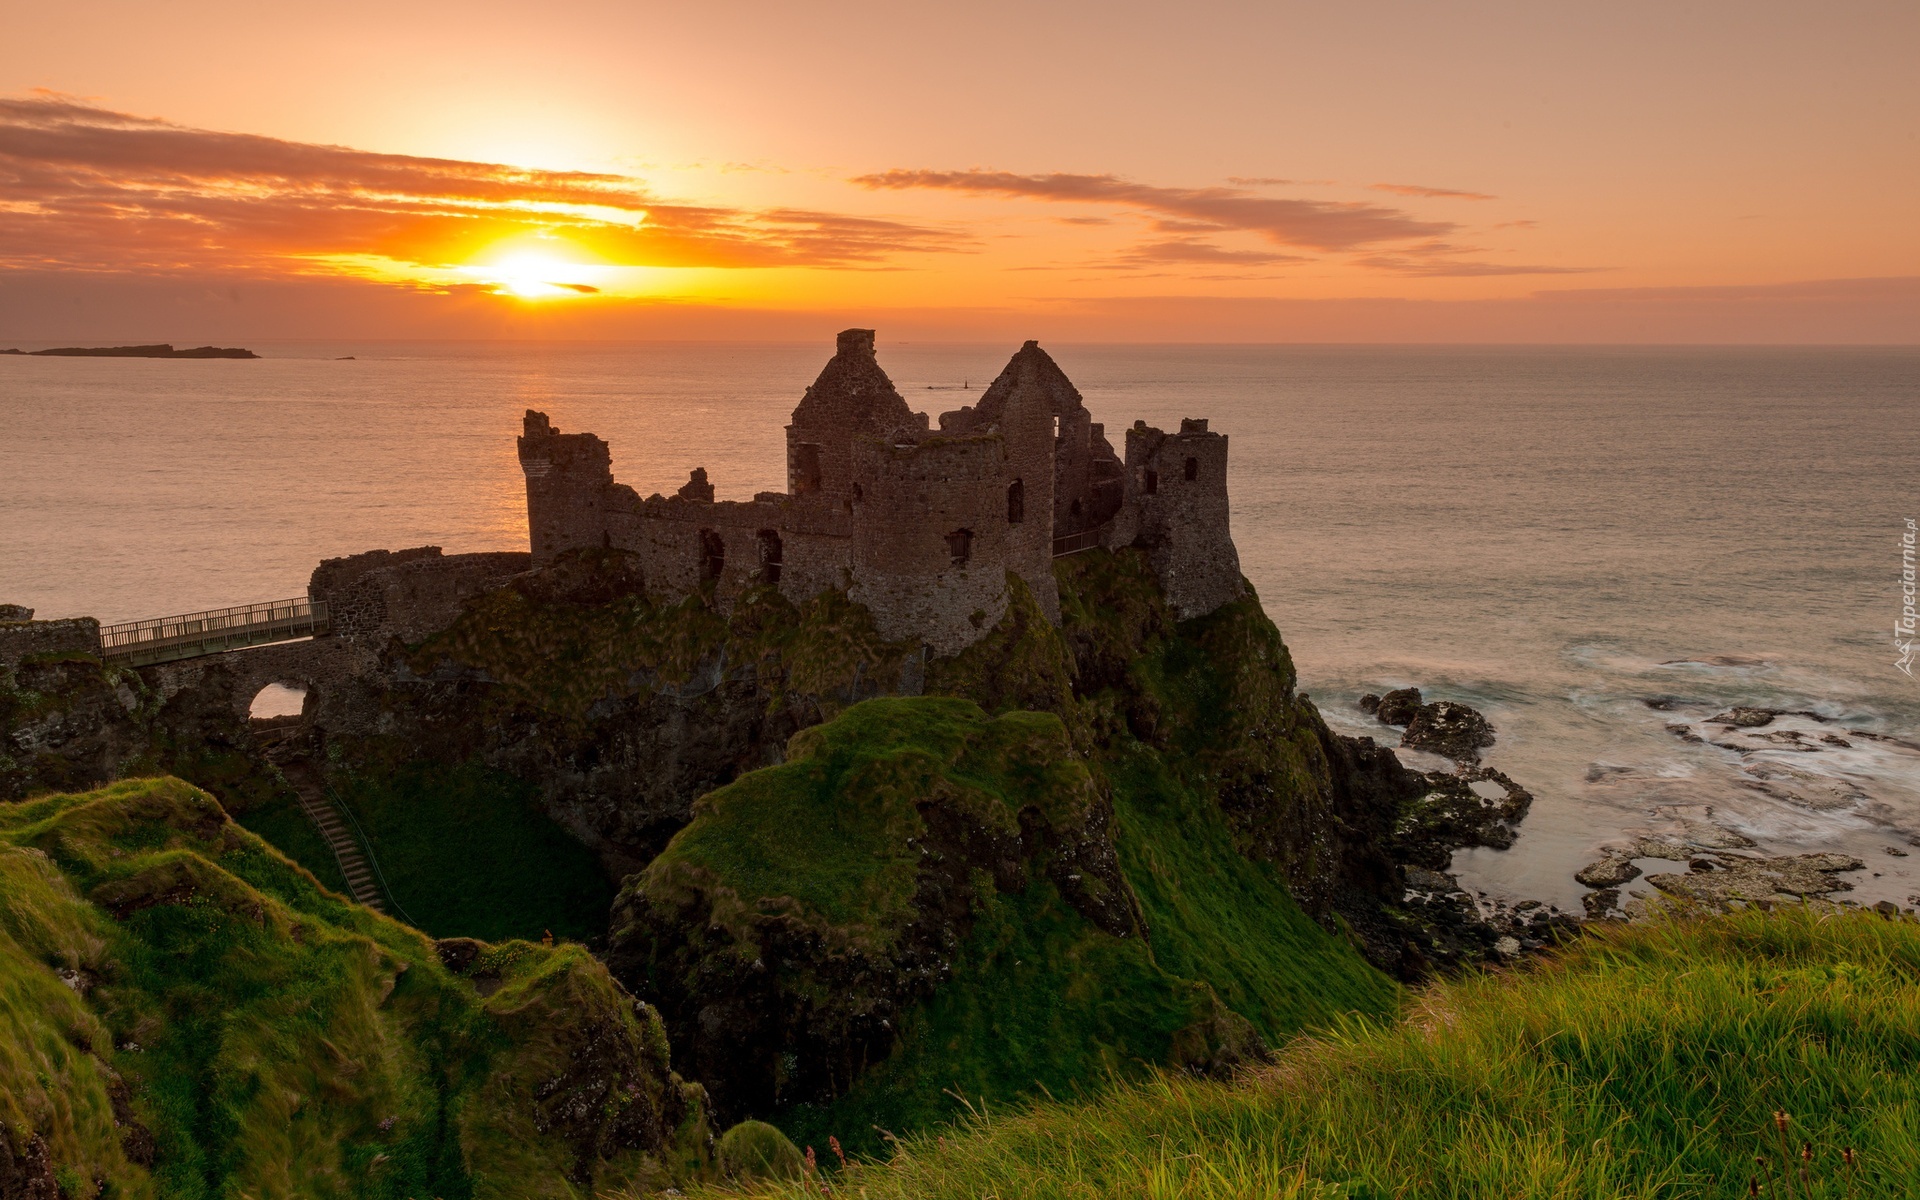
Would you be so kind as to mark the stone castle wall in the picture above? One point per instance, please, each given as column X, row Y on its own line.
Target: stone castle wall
column 876, row 503
column 931, row 560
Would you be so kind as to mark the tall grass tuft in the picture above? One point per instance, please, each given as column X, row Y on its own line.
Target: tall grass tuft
column 1653, row 1061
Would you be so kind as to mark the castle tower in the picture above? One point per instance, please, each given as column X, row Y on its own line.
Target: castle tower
column 1180, row 483
column 569, row 478
column 852, row 399
column 931, row 545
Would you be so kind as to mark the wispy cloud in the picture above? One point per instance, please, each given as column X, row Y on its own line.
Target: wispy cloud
column 1190, row 250
column 1428, row 193
column 1309, row 224
column 82, row 187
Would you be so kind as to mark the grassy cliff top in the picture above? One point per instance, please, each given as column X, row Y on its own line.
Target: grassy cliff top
column 184, row 1012
column 1646, row 1061
column 836, row 826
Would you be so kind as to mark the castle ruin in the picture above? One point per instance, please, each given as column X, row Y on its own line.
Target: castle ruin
column 923, row 526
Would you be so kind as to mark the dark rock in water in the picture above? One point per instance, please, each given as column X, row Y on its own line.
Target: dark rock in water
column 1451, row 815
column 1744, row 718
column 1887, row 908
column 1685, row 734
column 156, row 351
column 1450, row 729
column 15, row 612
column 1660, row 703
column 1608, row 872
column 1370, row 703
column 1398, row 706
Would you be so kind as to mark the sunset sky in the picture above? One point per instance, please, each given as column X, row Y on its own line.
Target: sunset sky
column 1223, row 171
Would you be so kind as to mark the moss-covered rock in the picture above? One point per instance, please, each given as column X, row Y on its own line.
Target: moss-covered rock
column 183, row 1012
column 755, row 1150
column 790, row 925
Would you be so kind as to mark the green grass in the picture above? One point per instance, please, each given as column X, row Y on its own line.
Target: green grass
column 282, row 823
column 466, row 852
column 278, row 1040
column 1227, row 919
column 1042, row 1003
column 1643, row 1062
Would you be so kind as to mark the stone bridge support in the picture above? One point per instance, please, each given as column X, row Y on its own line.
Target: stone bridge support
column 238, row 675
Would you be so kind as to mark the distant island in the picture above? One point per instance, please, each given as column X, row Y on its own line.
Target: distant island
column 139, row 352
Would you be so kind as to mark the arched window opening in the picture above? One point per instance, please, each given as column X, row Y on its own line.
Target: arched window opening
column 277, row 702
column 1056, row 429
column 960, row 546
column 1016, row 502
column 769, row 556
column 1150, row 482
column 806, row 468
column 1193, row 469
column 1073, row 509
column 713, row 555
column 858, row 494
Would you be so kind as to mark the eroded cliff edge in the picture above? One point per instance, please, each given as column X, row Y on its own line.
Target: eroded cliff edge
column 1066, row 850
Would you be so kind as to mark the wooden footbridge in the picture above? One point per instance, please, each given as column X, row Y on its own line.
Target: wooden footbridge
column 193, row 635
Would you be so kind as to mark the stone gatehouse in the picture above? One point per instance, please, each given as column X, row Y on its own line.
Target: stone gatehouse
column 922, row 525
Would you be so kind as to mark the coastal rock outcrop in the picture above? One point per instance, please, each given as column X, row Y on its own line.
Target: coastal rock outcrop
column 1449, row 729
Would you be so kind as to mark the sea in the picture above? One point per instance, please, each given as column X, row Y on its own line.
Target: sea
column 1599, row 548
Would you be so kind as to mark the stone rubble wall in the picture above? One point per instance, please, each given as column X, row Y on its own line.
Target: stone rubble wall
column 407, row 594
column 28, row 638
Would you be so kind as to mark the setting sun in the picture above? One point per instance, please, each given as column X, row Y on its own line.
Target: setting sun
column 537, row 275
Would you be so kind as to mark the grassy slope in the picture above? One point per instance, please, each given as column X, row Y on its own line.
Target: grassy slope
column 1040, row 998
column 274, row 1038
column 466, row 853
column 1644, row 1062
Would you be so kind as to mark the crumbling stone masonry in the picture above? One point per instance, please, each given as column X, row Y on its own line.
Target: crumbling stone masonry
column 922, row 526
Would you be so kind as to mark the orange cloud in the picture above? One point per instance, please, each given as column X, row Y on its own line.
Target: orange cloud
column 85, row 188
column 1191, row 250
column 1310, row 224
column 1428, row 193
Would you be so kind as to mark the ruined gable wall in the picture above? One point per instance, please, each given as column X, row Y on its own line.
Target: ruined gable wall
column 913, row 497
column 852, row 399
column 1086, row 472
column 1026, row 429
column 1185, row 522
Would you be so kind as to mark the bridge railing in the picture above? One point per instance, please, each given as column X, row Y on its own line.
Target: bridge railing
column 190, row 635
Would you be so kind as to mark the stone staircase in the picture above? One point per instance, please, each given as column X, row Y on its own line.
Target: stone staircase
column 280, row 741
column 346, row 848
